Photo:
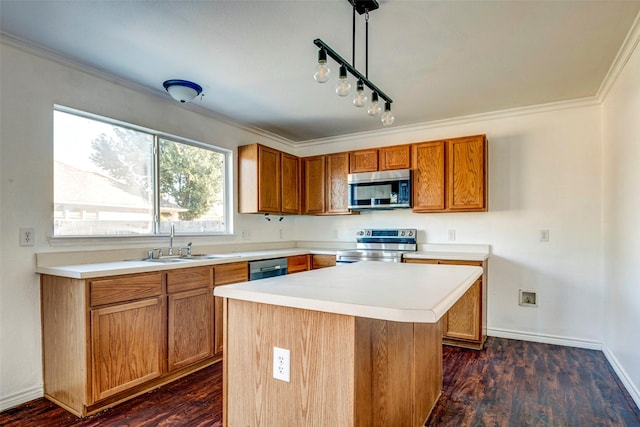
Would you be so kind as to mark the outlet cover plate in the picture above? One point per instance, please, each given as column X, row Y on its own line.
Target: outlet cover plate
column 27, row 236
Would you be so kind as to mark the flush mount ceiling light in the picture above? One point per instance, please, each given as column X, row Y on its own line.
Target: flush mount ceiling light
column 322, row 71
column 182, row 90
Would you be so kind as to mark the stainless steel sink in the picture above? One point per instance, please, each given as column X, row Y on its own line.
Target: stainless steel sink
column 211, row 256
column 165, row 260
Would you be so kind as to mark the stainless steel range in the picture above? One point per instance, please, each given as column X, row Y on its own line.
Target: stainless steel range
column 380, row 245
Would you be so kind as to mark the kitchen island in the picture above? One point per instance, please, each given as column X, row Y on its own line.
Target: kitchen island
column 365, row 343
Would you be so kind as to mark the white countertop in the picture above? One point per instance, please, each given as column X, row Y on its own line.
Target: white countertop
column 399, row 292
column 458, row 256
column 103, row 269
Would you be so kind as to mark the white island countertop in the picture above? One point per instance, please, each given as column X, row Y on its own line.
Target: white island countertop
column 399, row 292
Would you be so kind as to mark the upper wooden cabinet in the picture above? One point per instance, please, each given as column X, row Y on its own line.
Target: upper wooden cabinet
column 325, row 184
column 450, row 175
column 395, row 157
column 363, row 161
column 290, row 183
column 337, row 190
column 380, row 159
column 268, row 180
column 313, row 171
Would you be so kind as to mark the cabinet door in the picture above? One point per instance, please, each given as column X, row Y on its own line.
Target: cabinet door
column 363, row 161
column 126, row 346
column 396, row 157
column 290, row 184
column 466, row 186
column 268, row 179
column 463, row 318
column 218, row 326
column 314, row 177
column 297, row 263
column 190, row 331
column 225, row 274
column 337, row 187
column 428, row 162
column 322, row 261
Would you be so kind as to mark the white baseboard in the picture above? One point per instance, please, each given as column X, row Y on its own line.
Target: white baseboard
column 544, row 339
column 7, row 402
column 622, row 374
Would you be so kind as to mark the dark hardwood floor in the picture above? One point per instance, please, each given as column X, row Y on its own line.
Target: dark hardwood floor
column 510, row 383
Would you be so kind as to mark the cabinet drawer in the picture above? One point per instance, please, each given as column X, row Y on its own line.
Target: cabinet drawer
column 231, row 273
column 185, row 279
column 125, row 288
column 297, row 263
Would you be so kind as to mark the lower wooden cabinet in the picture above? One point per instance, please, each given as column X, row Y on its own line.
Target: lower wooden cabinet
column 108, row 339
column 225, row 274
column 465, row 324
column 126, row 346
column 322, row 261
column 298, row 263
column 190, row 327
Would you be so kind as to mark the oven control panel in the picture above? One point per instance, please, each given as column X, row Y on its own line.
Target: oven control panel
column 387, row 232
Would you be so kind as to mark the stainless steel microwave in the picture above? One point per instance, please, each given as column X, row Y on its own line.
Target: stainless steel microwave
column 380, row 190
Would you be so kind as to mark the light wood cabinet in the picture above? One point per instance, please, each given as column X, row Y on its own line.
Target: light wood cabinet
column 290, row 184
column 337, row 191
column 108, row 339
column 190, row 316
column 380, row 159
column 322, row 261
column 225, row 274
column 465, row 324
column 450, row 175
column 314, row 185
column 126, row 346
column 325, row 184
column 268, row 180
column 363, row 161
column 298, row 263
column 467, row 176
column 394, row 157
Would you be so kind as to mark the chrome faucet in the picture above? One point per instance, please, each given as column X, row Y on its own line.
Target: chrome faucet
column 173, row 233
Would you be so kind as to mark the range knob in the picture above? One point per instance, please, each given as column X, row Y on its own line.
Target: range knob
column 402, row 233
column 368, row 232
column 360, row 233
column 410, row 233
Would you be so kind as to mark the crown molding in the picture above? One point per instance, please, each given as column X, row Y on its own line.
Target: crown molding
column 55, row 56
column 624, row 54
column 457, row 121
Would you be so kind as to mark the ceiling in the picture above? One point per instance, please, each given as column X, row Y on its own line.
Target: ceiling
column 436, row 59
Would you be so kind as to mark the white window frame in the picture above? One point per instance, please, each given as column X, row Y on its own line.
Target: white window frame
column 227, row 188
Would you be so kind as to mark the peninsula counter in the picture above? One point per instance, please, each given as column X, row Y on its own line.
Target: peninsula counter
column 365, row 343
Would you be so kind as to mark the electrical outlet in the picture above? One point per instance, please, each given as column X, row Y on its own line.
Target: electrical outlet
column 452, row 235
column 246, row 235
column 27, row 236
column 281, row 364
column 281, row 233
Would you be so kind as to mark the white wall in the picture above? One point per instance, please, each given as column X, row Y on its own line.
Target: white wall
column 31, row 85
column 621, row 177
column 544, row 173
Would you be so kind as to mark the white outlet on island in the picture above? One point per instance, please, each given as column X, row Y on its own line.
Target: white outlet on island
column 281, row 364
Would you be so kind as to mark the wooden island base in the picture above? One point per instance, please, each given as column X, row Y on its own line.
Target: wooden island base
column 345, row 370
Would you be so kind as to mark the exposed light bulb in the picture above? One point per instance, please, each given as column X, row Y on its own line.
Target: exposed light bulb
column 359, row 98
column 322, row 72
column 343, row 86
column 374, row 107
column 387, row 117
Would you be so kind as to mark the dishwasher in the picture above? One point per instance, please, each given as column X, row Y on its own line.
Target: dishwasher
column 267, row 268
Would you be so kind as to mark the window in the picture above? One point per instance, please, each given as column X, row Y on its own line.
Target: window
column 114, row 179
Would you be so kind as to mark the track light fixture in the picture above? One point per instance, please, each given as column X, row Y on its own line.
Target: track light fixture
column 322, row 71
